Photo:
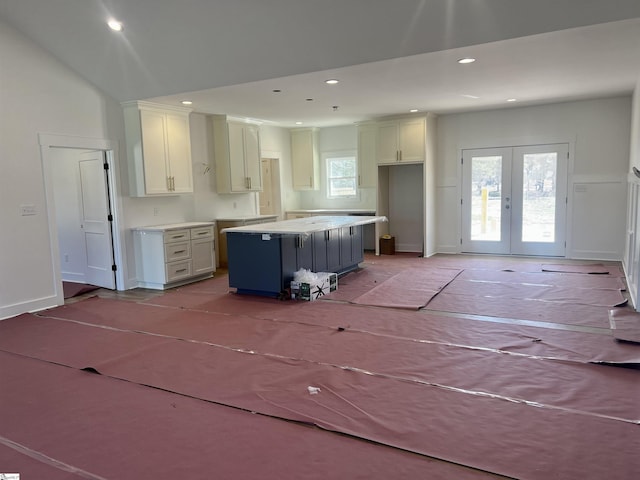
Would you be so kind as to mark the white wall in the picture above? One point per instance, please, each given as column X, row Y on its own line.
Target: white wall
column 37, row 95
column 598, row 134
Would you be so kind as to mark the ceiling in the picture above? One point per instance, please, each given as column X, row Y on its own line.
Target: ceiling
column 228, row 56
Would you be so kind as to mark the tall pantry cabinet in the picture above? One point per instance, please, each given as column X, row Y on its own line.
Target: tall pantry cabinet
column 158, row 149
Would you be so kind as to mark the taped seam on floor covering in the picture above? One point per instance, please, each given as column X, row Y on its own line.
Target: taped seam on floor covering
column 363, row 371
column 52, row 462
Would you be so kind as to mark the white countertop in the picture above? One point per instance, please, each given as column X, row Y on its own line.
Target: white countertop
column 308, row 225
column 173, row 226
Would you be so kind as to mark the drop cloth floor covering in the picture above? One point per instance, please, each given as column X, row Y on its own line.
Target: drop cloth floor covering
column 500, row 398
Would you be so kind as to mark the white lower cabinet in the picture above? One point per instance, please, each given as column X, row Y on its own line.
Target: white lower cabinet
column 171, row 255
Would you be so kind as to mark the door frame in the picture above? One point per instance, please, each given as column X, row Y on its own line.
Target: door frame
column 519, row 141
column 110, row 149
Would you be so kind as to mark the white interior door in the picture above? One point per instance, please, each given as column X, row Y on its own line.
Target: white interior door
column 514, row 200
column 95, row 223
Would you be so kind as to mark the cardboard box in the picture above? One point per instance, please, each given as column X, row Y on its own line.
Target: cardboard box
column 387, row 245
column 327, row 283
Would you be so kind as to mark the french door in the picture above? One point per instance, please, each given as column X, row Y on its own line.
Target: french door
column 514, row 200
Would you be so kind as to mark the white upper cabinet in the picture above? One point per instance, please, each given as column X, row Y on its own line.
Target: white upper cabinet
column 402, row 141
column 367, row 156
column 304, row 159
column 236, row 149
column 158, row 149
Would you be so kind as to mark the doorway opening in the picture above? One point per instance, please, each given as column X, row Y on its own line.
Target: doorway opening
column 83, row 211
column 83, row 217
column 514, row 200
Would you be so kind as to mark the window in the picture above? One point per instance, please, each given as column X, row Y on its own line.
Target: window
column 342, row 176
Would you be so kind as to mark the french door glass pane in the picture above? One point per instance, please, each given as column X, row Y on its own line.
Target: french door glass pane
column 539, row 197
column 486, row 202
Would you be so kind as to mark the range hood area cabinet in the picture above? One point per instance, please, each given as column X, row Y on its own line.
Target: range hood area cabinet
column 402, row 141
column 304, row 159
column 158, row 149
column 236, row 151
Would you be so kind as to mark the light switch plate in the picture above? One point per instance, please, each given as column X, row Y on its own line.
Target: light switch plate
column 26, row 210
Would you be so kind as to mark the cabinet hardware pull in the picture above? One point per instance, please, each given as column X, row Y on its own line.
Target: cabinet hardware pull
column 179, row 251
column 181, row 270
column 400, row 155
column 311, row 181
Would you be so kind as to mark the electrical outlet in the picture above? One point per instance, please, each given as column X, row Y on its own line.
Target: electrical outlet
column 27, row 210
column 66, row 258
column 155, row 211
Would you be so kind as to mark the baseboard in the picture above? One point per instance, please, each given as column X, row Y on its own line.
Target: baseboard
column 9, row 311
column 595, row 255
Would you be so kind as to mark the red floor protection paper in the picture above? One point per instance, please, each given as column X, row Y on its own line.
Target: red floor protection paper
column 421, row 325
column 542, row 293
column 430, row 420
column 118, row 430
column 545, row 278
column 523, row 309
column 625, row 325
column 434, row 421
column 412, row 288
column 586, row 388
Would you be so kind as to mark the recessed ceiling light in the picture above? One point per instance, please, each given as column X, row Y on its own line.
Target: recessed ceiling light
column 331, row 81
column 115, row 25
column 187, row 102
column 512, row 100
column 413, row 110
column 466, row 60
column 298, row 123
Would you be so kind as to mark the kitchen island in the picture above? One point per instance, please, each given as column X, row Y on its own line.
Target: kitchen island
column 262, row 258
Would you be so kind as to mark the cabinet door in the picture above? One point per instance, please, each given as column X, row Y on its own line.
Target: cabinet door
column 179, row 153
column 357, row 244
column 236, row 157
column 304, row 253
column 334, row 253
column 367, row 159
column 203, row 258
column 412, row 137
column 304, row 159
column 387, row 144
column 253, row 166
column 154, row 154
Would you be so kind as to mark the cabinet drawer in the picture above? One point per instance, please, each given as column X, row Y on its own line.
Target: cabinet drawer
column 176, row 235
column 178, row 270
column 201, row 232
column 177, row 251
